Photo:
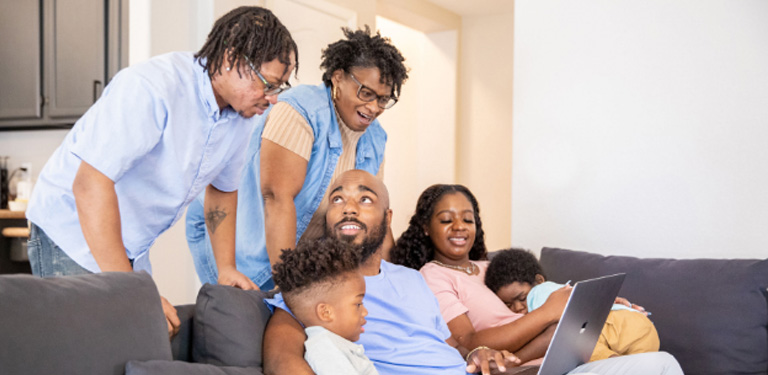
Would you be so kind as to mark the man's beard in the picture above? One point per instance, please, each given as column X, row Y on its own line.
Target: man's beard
column 371, row 243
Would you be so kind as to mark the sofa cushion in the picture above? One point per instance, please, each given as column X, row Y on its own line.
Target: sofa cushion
column 711, row 314
column 181, row 344
column 88, row 324
column 157, row 367
column 229, row 326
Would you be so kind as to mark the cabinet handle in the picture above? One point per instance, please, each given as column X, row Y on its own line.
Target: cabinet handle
column 96, row 90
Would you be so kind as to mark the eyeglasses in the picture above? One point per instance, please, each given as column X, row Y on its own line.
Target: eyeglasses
column 269, row 88
column 367, row 95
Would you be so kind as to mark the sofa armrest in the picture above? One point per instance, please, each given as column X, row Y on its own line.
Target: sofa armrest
column 89, row 324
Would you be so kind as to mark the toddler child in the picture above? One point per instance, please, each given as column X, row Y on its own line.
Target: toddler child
column 321, row 283
column 515, row 275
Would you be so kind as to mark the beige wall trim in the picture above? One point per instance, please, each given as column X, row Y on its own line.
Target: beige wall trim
column 419, row 14
column 365, row 9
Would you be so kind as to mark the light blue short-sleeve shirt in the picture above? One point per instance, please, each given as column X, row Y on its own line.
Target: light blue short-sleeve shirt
column 158, row 133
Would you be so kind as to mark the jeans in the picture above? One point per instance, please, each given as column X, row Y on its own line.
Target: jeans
column 655, row 363
column 198, row 240
column 200, row 246
column 47, row 259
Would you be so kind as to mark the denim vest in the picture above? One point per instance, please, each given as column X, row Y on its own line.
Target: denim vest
column 315, row 105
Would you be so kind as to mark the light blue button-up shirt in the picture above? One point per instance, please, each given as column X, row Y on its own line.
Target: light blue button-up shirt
column 157, row 132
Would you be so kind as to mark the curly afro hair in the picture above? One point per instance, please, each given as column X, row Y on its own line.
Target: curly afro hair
column 314, row 262
column 511, row 265
column 414, row 249
column 247, row 32
column 361, row 49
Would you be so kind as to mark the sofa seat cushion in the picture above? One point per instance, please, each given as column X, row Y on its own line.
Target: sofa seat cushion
column 711, row 314
column 157, row 367
column 229, row 326
column 89, row 324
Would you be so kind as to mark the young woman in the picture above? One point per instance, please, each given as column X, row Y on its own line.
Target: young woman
column 445, row 241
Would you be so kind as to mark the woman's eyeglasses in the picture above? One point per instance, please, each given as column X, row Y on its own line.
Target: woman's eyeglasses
column 367, row 95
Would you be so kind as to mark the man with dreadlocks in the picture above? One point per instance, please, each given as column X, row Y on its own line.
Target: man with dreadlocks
column 311, row 136
column 162, row 132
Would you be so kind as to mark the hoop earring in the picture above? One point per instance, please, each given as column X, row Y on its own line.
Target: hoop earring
column 334, row 93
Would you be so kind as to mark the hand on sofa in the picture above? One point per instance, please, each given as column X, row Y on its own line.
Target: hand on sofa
column 232, row 277
column 625, row 302
column 171, row 317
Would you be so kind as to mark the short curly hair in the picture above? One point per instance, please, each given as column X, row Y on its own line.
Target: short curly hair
column 512, row 265
column 362, row 49
column 248, row 32
column 326, row 260
column 414, row 248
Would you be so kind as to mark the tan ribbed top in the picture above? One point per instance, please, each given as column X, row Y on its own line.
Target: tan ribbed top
column 286, row 127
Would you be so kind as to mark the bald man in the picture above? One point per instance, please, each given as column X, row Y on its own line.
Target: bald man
column 405, row 332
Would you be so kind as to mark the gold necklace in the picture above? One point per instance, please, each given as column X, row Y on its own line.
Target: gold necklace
column 470, row 269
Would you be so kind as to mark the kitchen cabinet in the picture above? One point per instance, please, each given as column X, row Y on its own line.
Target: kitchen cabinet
column 57, row 56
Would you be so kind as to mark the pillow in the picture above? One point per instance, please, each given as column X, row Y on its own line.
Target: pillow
column 711, row 314
column 229, row 326
column 87, row 324
column 183, row 368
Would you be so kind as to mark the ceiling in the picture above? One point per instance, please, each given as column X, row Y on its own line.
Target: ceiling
column 476, row 7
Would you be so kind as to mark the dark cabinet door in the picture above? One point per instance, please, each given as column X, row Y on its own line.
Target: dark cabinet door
column 74, row 40
column 20, row 96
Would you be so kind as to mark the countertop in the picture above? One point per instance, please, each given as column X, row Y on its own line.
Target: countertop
column 8, row 214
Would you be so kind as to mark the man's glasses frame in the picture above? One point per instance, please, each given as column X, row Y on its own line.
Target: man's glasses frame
column 383, row 101
column 269, row 88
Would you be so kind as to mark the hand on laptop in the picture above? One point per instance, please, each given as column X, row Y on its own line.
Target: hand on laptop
column 484, row 359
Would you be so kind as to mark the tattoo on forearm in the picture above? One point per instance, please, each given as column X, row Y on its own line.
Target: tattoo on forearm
column 213, row 218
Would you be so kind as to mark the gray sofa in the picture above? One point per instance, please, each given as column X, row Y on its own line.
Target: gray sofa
column 113, row 323
column 712, row 315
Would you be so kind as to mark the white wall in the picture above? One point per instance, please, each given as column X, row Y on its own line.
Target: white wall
column 34, row 146
column 640, row 128
column 421, row 127
column 484, row 134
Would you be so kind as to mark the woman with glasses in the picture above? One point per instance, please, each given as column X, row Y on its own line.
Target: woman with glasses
column 312, row 134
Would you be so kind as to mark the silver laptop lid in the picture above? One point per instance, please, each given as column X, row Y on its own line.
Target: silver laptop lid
column 581, row 323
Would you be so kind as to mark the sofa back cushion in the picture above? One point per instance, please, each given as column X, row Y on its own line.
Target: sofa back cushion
column 229, row 326
column 89, row 324
column 711, row 314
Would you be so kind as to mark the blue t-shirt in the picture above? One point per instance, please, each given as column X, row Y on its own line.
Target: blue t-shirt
column 405, row 333
column 158, row 134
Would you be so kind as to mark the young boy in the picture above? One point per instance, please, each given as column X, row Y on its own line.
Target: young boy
column 516, row 276
column 322, row 285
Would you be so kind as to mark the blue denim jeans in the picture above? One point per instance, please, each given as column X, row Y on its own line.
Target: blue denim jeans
column 200, row 246
column 47, row 259
column 657, row 363
column 198, row 240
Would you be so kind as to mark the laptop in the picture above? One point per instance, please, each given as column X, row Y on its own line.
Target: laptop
column 581, row 323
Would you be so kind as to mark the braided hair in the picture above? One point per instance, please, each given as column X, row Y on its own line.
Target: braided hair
column 247, row 32
column 314, row 262
column 361, row 49
column 414, row 248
